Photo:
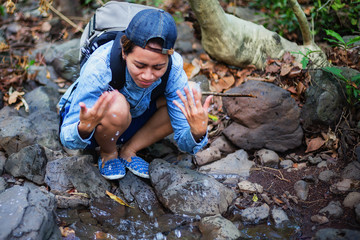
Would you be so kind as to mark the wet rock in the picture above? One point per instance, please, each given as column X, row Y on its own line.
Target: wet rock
column 336, row 234
column 236, row 163
column 268, row 158
column 56, row 177
column 207, row 155
column 107, row 212
column 224, row 145
column 86, row 178
column 27, row 213
column 319, row 219
column 269, row 121
column 184, row 191
column 302, row 189
column 343, row 186
column 30, row 162
column 246, row 186
column 352, row 171
column 279, row 217
column 255, row 215
column 2, row 162
column 218, row 227
column 285, row 164
column 333, row 209
column 327, row 175
column 133, row 188
column 74, row 201
column 324, row 101
column 352, row 199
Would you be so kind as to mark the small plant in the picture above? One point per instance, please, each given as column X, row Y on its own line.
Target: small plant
column 352, row 86
column 339, row 41
column 306, row 57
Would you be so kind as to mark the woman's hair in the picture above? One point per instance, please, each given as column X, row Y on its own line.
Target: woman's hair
column 128, row 45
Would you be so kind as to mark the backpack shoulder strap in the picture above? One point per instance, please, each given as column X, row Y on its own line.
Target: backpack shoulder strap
column 159, row 90
column 117, row 64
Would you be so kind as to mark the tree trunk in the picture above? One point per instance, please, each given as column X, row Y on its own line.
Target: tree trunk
column 237, row 42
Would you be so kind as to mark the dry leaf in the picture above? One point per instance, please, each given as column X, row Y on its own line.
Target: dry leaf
column 277, row 201
column 314, row 144
column 188, row 68
column 285, row 69
column 66, row 231
column 14, row 96
column 204, row 57
column 48, row 75
column 117, row 199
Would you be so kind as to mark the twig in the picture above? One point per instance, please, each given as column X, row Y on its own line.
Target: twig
column 65, row 18
column 228, row 94
column 281, row 177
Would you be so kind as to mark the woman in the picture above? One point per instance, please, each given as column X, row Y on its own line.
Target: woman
column 100, row 116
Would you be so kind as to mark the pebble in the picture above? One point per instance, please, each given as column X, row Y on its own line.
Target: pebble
column 322, row 164
column 342, row 186
column 286, row 164
column 302, row 189
column 352, row 199
column 333, row 209
column 319, row 219
column 268, row 158
column 246, row 186
column 314, row 160
column 326, row 176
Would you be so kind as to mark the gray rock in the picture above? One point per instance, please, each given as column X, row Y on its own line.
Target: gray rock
column 352, row 171
column 324, row 100
column 319, row 219
column 218, row 227
column 255, row 215
column 42, row 98
column 327, row 175
column 236, row 164
column 30, row 162
column 269, row 121
column 333, row 209
column 285, row 164
column 203, row 82
column 27, row 214
column 224, row 145
column 207, row 155
column 352, row 199
column 86, row 178
column 314, row 160
column 56, row 177
column 322, row 164
column 341, row 187
column 336, row 234
column 133, row 188
column 268, row 158
column 2, row 162
column 279, row 217
column 357, row 212
column 44, row 75
column 184, row 191
column 302, row 189
column 249, row 187
column 3, row 184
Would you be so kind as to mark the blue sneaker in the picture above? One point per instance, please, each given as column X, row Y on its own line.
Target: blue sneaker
column 113, row 169
column 137, row 166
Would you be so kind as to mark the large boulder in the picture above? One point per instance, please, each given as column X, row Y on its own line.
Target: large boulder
column 185, row 191
column 271, row 120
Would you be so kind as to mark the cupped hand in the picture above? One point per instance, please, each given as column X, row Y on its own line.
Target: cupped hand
column 91, row 117
column 195, row 113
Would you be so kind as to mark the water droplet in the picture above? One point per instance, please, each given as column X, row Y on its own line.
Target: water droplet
column 178, row 233
column 114, row 115
column 88, row 125
column 112, row 139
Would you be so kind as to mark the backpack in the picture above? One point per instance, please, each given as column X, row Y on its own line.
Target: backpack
column 109, row 23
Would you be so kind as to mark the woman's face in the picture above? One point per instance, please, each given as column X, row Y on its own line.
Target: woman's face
column 145, row 66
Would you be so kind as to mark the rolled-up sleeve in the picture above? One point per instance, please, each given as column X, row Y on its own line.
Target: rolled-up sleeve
column 182, row 133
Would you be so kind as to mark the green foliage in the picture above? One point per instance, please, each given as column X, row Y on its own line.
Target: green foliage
column 352, row 86
column 340, row 15
column 31, row 62
column 155, row 3
column 2, row 10
column 306, row 57
column 339, row 41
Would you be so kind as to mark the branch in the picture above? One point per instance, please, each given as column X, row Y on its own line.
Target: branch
column 303, row 23
column 65, row 18
column 228, row 94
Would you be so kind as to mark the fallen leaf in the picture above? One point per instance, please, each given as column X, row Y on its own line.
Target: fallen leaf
column 102, row 235
column 255, row 198
column 204, row 57
column 14, row 96
column 276, row 200
column 285, row 69
column 66, row 231
column 48, row 75
column 117, row 199
column 314, row 144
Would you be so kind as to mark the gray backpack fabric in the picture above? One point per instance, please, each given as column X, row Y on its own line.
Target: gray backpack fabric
column 112, row 17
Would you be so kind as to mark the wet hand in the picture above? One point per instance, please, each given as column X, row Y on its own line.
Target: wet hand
column 91, row 117
column 195, row 113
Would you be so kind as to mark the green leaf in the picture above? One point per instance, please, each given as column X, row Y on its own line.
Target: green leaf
column 353, row 40
column 304, row 62
column 255, row 198
column 335, row 35
column 213, row 117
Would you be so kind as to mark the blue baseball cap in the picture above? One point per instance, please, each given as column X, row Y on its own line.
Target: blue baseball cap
column 153, row 23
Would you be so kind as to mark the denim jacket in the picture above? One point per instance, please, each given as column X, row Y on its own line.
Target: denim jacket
column 94, row 79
